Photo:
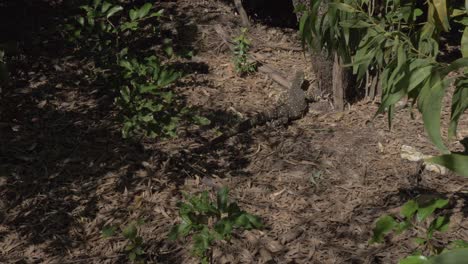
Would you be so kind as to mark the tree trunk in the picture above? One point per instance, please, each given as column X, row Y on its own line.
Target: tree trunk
column 339, row 83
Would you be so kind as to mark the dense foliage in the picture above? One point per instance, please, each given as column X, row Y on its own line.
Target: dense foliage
column 400, row 42
column 209, row 221
column 110, row 32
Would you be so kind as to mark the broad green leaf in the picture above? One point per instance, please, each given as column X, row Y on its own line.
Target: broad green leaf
column 201, row 120
column 180, row 230
column 113, row 11
column 255, row 221
column 457, row 12
column 459, row 105
column 441, row 10
column 133, row 14
column 409, row 209
column 81, row 21
column 150, row 88
column 132, row 256
column 464, row 43
column 343, row 7
column 430, row 105
column 144, row 10
column 427, row 209
column 459, row 244
column 384, row 225
column 96, row 3
column 414, row 260
column 105, row 6
column 224, row 227
column 356, row 23
column 157, row 14
column 403, row 226
column 420, row 70
column 130, row 232
column 455, row 65
column 130, row 247
column 454, row 162
column 441, row 223
column 202, row 241
column 455, row 256
column 420, row 240
column 108, row 231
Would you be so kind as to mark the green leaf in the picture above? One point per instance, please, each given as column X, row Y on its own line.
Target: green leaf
column 454, row 162
column 130, row 232
column 343, row 7
column 441, row 10
column 455, row 65
column 459, row 105
column 441, row 223
column 157, row 14
column 105, row 6
column 242, row 221
column 201, row 120
column 133, row 14
column 420, row 240
column 144, row 10
column 96, row 3
column 427, row 209
column 108, row 231
column 420, row 71
column 130, row 247
column 181, row 230
column 224, row 227
column 430, row 105
column 355, row 23
column 403, row 226
column 459, row 244
column 81, row 21
column 384, row 225
column 455, row 256
column 464, row 43
column 113, row 11
column 132, row 256
column 409, row 209
column 202, row 242
column 255, row 221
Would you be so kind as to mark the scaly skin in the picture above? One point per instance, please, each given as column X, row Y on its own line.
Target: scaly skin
column 292, row 107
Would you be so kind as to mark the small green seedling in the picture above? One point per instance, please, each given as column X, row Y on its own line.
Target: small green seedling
column 241, row 49
column 414, row 214
column 419, row 215
column 134, row 247
column 209, row 221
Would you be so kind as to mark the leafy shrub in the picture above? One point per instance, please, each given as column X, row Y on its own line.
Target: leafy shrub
column 147, row 106
column 420, row 215
column 134, row 247
column 209, row 221
column 241, row 50
column 393, row 40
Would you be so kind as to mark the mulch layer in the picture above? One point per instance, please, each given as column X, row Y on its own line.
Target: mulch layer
column 319, row 184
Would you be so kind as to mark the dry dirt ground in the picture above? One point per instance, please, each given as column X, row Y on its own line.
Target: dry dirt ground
column 318, row 184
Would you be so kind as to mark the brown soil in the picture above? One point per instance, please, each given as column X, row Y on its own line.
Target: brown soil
column 318, row 184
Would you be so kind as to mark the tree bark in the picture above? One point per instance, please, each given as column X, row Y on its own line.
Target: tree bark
column 339, row 83
column 244, row 17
